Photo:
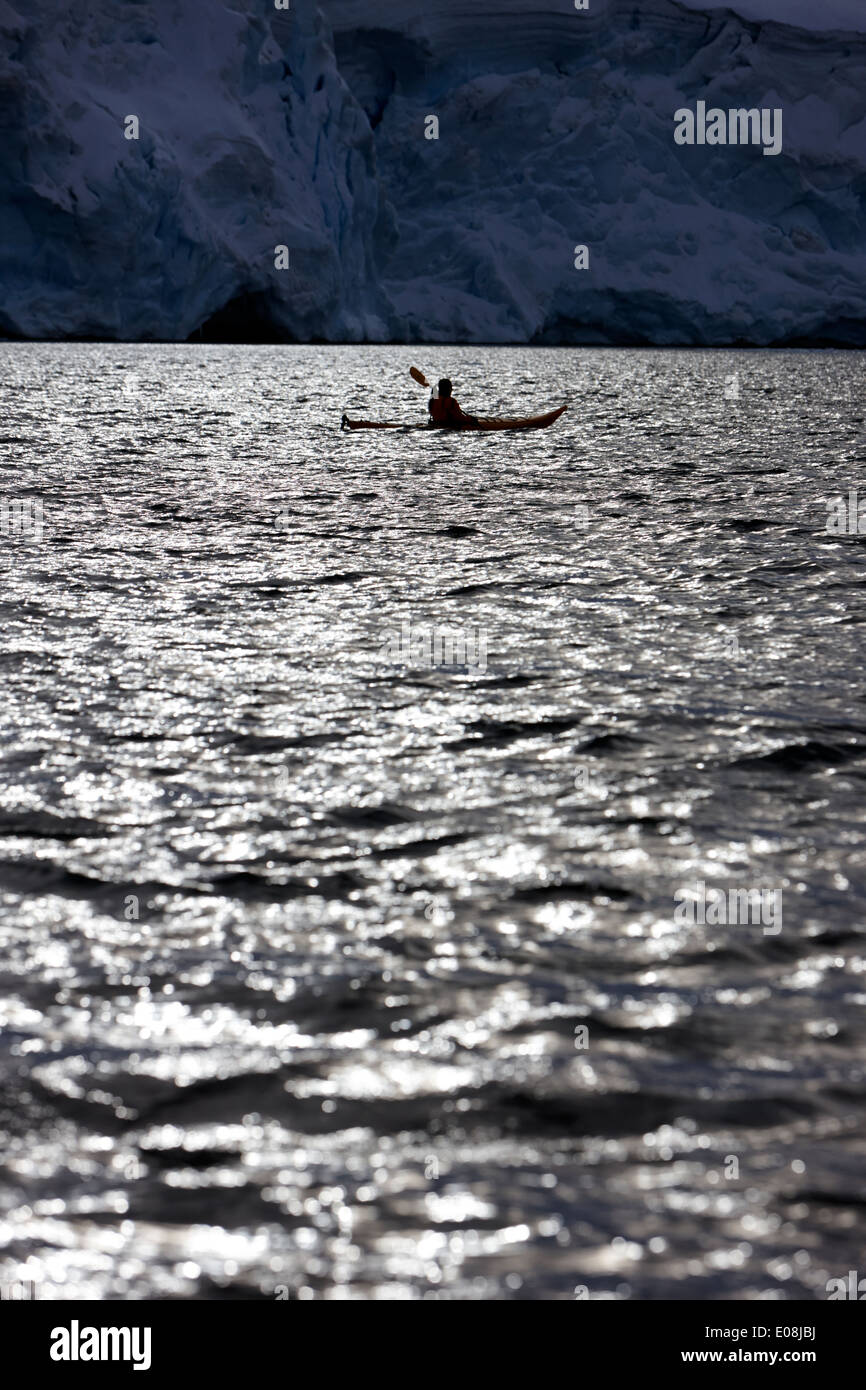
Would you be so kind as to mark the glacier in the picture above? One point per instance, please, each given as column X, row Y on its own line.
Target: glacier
column 248, row 140
column 556, row 129
column 307, row 127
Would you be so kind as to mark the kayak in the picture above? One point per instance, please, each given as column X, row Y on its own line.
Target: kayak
column 530, row 422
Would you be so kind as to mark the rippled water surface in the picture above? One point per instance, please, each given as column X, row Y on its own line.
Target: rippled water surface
column 329, row 970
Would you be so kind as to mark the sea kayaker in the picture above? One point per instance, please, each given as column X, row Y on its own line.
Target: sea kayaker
column 445, row 411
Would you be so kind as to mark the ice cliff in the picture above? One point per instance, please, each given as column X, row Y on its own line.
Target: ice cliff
column 556, row 129
column 307, row 128
column 248, row 140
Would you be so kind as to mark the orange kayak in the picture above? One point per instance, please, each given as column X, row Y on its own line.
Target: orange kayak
column 530, row 422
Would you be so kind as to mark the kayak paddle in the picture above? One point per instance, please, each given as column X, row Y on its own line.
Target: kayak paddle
column 418, row 376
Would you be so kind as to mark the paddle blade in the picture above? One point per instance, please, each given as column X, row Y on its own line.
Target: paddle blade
column 418, row 376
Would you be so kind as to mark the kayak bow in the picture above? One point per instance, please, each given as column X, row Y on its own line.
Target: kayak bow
column 530, row 422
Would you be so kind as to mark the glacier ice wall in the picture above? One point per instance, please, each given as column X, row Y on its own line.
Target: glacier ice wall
column 306, row 128
column 248, row 140
column 556, row 129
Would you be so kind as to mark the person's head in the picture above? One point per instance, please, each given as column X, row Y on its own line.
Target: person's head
column 445, row 387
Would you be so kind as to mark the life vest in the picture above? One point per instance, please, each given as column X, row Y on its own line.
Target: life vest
column 444, row 410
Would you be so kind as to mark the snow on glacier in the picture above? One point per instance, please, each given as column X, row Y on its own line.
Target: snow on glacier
column 842, row 15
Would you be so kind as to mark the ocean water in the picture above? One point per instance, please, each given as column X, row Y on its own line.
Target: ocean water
column 354, row 788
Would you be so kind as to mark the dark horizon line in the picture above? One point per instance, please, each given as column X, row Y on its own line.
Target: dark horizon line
column 777, row 345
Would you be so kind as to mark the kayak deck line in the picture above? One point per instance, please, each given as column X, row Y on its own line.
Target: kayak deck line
column 347, row 424
column 483, row 425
